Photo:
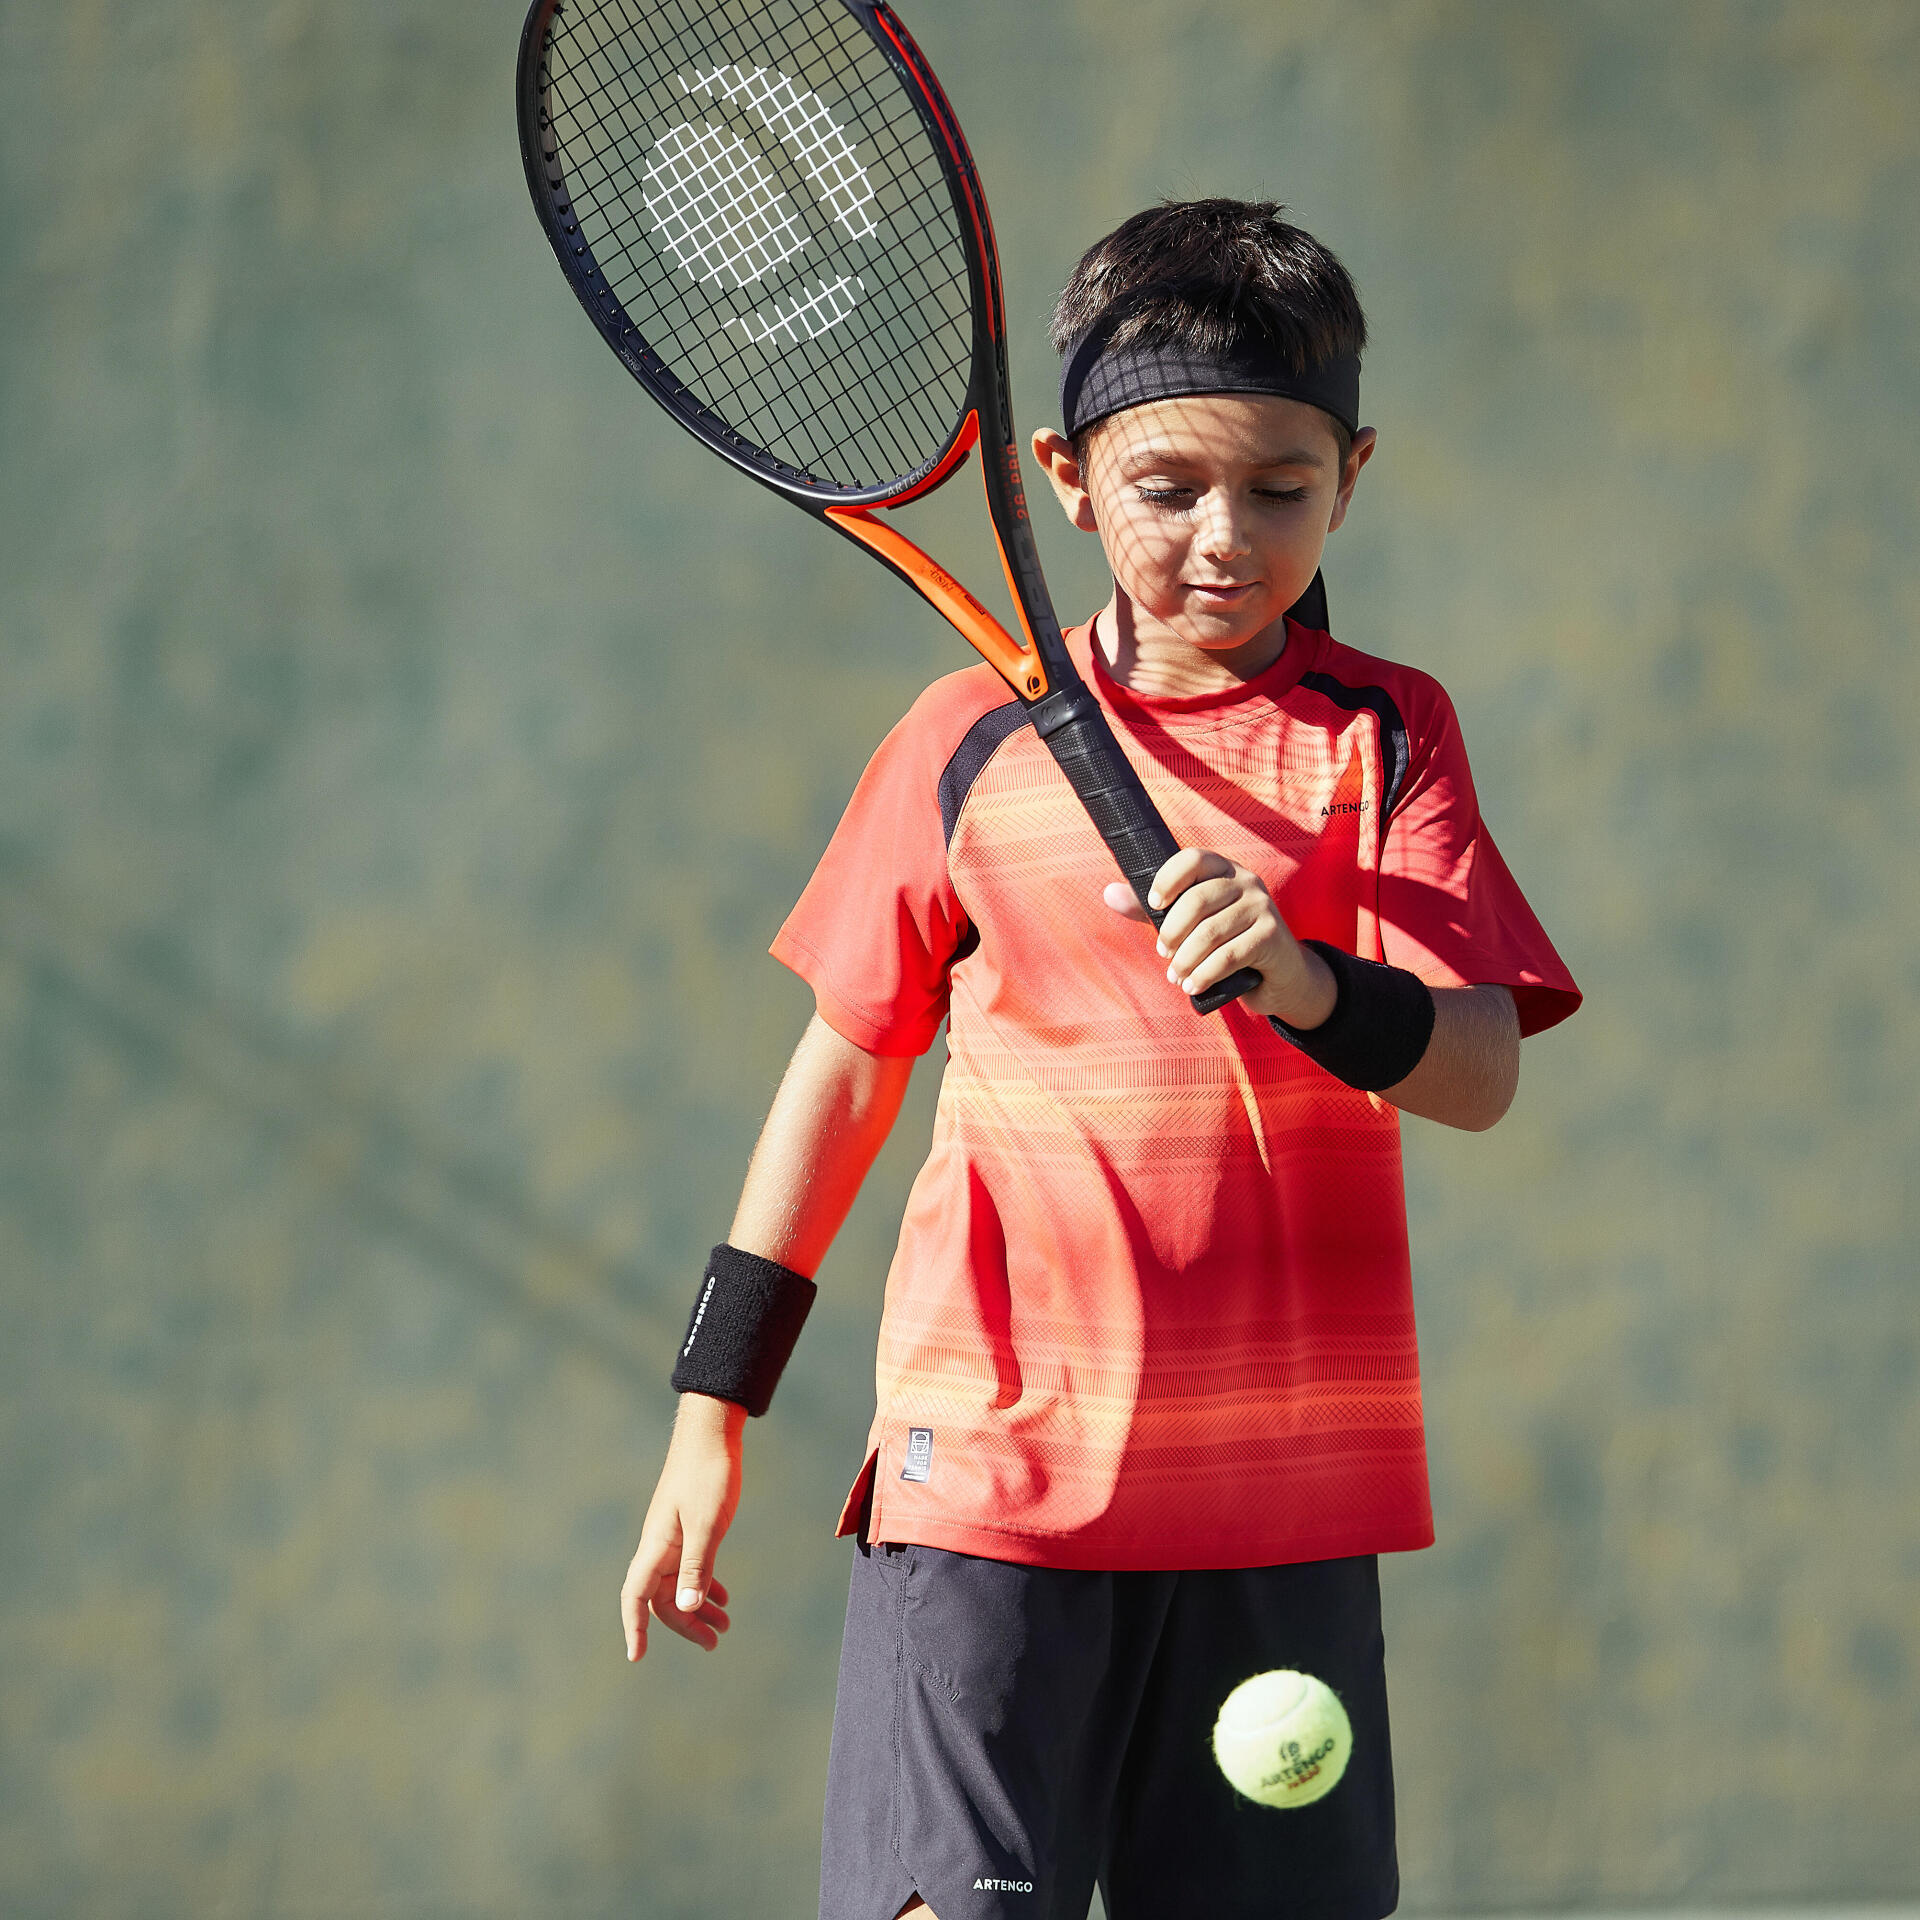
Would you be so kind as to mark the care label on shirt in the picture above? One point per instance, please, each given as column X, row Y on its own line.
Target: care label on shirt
column 919, row 1454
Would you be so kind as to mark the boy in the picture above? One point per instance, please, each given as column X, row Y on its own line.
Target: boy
column 1148, row 1393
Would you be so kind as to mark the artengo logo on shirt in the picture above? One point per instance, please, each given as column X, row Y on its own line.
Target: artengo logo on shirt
column 1003, row 1886
column 1345, row 806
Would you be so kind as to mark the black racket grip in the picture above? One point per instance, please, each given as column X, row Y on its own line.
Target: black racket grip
column 1079, row 738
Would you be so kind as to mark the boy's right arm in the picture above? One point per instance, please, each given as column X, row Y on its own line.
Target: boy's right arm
column 835, row 1108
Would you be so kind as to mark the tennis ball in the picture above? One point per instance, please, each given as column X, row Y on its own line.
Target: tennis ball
column 1283, row 1738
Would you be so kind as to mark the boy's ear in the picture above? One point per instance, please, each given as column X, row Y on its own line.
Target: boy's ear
column 1364, row 442
column 1055, row 453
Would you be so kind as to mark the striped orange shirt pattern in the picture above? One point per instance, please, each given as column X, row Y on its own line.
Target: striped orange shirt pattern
column 1152, row 1305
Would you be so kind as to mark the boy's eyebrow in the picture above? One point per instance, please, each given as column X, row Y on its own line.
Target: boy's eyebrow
column 1159, row 456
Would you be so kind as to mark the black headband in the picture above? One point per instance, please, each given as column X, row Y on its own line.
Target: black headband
column 1097, row 380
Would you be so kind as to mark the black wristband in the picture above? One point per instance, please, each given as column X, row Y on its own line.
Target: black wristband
column 1378, row 1030
column 744, row 1326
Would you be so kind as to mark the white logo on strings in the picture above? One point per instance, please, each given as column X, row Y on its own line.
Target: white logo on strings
column 722, row 216
column 716, row 209
column 807, row 130
column 826, row 306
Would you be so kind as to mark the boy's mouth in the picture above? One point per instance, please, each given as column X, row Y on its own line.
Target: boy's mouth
column 1222, row 593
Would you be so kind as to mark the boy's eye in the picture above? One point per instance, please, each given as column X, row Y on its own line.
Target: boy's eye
column 1184, row 496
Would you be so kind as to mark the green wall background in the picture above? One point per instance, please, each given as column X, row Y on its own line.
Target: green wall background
column 409, row 744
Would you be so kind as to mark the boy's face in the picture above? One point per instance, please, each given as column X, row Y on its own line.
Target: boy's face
column 1213, row 508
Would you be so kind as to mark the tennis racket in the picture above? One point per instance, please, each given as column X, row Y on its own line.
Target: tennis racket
column 769, row 210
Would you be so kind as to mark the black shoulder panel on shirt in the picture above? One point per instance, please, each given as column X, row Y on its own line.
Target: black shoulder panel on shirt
column 982, row 741
column 1394, row 750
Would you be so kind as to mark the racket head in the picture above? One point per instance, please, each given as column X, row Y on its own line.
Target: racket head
column 773, row 220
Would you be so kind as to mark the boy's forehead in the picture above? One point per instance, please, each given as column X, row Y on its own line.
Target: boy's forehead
column 1245, row 429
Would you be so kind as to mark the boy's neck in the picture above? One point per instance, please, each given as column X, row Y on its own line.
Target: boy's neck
column 1149, row 659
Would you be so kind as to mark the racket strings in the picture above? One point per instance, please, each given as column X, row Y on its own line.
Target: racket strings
column 755, row 185
column 809, row 131
column 720, row 213
column 919, row 376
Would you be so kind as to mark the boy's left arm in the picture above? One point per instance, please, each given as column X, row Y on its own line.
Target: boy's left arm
column 1471, row 1069
column 1220, row 917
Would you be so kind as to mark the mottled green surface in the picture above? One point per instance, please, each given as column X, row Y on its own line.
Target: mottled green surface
column 409, row 744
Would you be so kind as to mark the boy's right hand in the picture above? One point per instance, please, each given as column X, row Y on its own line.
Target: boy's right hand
column 672, row 1570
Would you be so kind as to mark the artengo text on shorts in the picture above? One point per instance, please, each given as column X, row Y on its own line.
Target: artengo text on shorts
column 1003, row 1886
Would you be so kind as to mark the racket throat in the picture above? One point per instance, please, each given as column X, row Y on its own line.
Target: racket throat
column 1021, row 667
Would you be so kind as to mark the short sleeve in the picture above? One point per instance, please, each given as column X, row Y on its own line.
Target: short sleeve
column 879, row 923
column 1449, row 909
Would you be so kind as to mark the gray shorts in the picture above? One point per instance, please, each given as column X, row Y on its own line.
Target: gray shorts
column 1005, row 1736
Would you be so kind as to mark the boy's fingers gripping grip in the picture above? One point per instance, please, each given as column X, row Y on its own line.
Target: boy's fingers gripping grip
column 745, row 1321
column 1079, row 738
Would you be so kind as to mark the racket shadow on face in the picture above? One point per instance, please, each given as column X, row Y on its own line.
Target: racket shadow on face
column 771, row 214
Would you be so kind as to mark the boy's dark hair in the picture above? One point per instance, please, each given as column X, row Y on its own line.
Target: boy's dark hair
column 1212, row 276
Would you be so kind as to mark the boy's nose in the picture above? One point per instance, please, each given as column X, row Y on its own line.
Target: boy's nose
column 1223, row 535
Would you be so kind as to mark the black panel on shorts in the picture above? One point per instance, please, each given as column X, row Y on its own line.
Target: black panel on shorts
column 1006, row 1735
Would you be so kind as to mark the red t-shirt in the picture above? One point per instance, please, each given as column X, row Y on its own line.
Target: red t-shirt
column 1151, row 1306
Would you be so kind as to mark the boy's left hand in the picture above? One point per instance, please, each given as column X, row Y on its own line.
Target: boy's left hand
column 1220, row 917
